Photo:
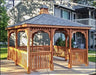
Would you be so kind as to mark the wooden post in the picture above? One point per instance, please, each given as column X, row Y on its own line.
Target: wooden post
column 16, row 46
column 51, row 49
column 87, row 48
column 70, row 52
column 66, row 47
column 28, row 50
column 32, row 42
column 8, row 38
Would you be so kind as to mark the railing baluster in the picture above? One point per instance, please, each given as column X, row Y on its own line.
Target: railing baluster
column 40, row 60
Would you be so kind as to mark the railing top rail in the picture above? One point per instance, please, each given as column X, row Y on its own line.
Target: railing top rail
column 42, row 46
column 41, row 52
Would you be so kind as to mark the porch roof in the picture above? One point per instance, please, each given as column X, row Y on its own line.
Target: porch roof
column 47, row 19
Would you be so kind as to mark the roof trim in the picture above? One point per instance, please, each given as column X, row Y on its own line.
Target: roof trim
column 48, row 26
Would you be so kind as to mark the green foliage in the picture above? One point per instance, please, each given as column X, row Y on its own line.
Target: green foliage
column 3, row 21
column 94, row 3
column 76, row 1
column 60, row 42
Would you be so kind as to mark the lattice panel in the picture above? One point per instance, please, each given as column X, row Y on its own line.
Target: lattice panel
column 40, row 60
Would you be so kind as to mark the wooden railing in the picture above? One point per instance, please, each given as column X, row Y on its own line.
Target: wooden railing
column 21, row 57
column 60, row 51
column 40, row 60
column 35, row 48
column 40, row 48
column 12, row 53
column 78, row 56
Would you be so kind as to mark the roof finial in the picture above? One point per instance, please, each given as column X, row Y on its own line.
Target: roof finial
column 44, row 9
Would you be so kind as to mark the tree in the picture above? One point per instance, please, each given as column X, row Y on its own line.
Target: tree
column 94, row 3
column 3, row 21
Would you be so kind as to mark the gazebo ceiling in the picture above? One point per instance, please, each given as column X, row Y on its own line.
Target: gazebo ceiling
column 47, row 19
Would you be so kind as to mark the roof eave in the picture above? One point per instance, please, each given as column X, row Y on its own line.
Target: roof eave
column 49, row 26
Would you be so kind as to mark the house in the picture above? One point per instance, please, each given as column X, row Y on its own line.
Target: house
column 71, row 11
column 79, row 13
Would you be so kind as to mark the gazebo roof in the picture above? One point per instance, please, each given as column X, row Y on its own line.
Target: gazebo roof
column 47, row 19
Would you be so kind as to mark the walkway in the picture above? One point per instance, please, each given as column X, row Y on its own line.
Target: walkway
column 60, row 68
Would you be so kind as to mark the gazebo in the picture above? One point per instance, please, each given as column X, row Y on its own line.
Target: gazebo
column 41, row 57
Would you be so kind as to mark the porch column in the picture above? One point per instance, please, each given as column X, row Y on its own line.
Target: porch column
column 16, row 46
column 66, row 47
column 70, row 52
column 32, row 42
column 51, row 49
column 87, row 48
column 8, row 38
column 28, row 50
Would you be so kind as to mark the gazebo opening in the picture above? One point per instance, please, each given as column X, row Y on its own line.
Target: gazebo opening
column 79, row 40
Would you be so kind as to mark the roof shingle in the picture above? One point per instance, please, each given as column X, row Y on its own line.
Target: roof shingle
column 47, row 19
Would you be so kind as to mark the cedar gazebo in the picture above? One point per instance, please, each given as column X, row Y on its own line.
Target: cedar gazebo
column 40, row 57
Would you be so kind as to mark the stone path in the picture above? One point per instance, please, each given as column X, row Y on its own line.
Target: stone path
column 60, row 68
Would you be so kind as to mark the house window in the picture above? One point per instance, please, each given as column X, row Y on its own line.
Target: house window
column 65, row 14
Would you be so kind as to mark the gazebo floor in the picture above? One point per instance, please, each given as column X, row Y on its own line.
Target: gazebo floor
column 8, row 67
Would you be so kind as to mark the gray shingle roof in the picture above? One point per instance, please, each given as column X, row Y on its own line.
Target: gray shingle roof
column 47, row 19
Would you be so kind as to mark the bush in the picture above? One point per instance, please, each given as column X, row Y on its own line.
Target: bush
column 60, row 42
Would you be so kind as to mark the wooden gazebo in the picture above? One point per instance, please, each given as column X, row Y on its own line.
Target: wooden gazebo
column 41, row 57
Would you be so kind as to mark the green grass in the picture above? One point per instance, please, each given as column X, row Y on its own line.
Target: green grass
column 92, row 58
column 3, row 53
column 91, row 51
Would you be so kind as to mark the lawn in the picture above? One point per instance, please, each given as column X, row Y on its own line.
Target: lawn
column 91, row 51
column 92, row 58
column 3, row 54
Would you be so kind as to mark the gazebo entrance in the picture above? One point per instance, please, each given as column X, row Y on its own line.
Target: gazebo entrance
column 41, row 57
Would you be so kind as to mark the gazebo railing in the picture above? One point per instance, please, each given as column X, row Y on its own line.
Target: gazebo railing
column 18, row 55
column 78, row 56
column 40, row 48
column 60, row 51
column 40, row 60
column 12, row 53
